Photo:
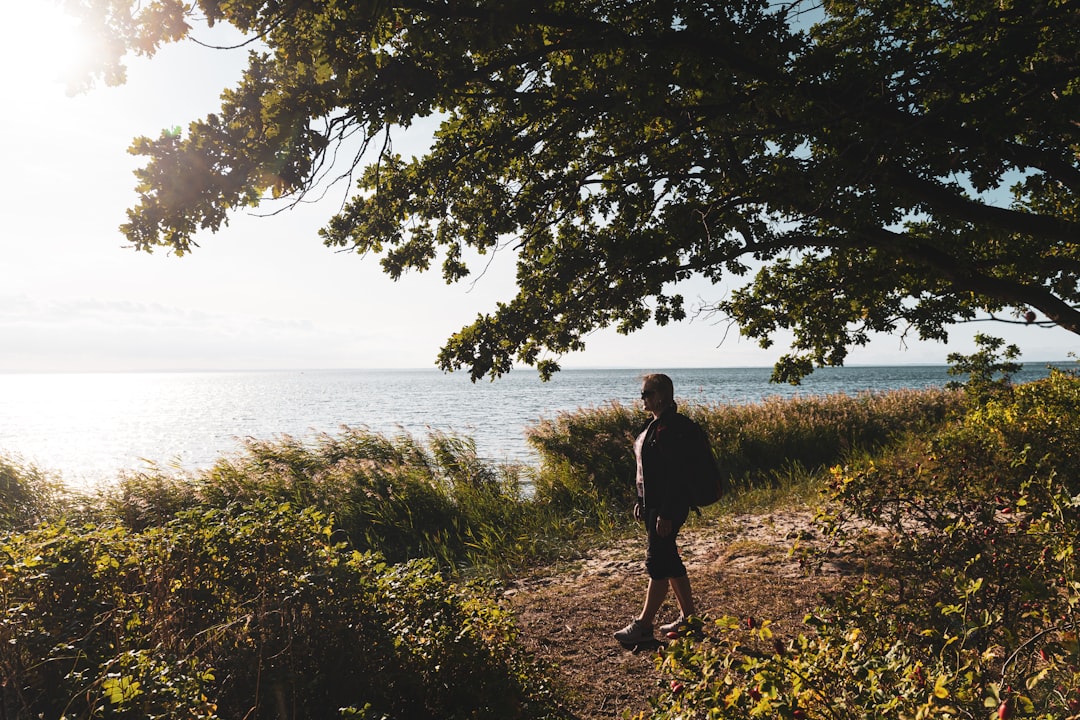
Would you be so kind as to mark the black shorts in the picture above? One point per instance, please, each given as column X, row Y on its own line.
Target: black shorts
column 662, row 559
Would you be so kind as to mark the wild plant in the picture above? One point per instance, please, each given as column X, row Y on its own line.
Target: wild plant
column 248, row 611
column 586, row 456
column 28, row 494
column 989, row 369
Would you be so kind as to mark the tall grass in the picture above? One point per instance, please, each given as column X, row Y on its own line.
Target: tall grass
column 407, row 498
column 28, row 494
column 394, row 496
column 588, row 454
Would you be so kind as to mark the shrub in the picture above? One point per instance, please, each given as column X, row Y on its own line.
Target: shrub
column 982, row 366
column 1041, row 419
column 247, row 612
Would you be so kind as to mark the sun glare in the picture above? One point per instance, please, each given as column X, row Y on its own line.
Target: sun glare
column 41, row 49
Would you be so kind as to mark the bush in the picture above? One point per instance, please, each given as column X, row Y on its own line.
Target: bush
column 247, row 612
column 982, row 367
column 1041, row 419
column 586, row 457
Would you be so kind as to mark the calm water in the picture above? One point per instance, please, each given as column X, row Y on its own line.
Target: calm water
column 90, row 426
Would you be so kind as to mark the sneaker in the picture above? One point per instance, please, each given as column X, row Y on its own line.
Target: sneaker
column 682, row 627
column 635, row 632
column 676, row 626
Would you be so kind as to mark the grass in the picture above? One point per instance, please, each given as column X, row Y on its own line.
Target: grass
column 28, row 494
column 783, row 489
column 778, row 442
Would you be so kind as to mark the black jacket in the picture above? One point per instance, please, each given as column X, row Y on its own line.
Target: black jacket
column 665, row 457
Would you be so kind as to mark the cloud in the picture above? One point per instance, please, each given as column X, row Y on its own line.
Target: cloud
column 90, row 334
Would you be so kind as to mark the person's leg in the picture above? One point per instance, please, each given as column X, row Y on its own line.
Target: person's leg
column 658, row 553
column 657, row 558
column 683, row 595
column 641, row 628
column 664, row 566
column 654, row 599
column 679, row 581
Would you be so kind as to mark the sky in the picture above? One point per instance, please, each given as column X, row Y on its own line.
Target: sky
column 263, row 292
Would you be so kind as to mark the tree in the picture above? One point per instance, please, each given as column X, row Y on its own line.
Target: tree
column 877, row 166
column 981, row 367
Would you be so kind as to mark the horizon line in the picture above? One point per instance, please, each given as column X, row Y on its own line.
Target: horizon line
column 518, row 368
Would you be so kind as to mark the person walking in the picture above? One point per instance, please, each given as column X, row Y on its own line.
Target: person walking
column 663, row 451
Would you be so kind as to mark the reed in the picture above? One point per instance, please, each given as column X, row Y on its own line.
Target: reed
column 28, row 494
column 397, row 496
column 406, row 498
column 588, row 452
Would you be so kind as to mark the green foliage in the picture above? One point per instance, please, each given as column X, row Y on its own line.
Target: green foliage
column 982, row 366
column 247, row 611
column 27, row 494
column 854, row 156
column 385, row 494
column 142, row 499
column 587, row 454
column 976, row 603
column 231, row 593
column 1039, row 419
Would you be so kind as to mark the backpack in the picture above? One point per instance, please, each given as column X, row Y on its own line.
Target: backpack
column 707, row 483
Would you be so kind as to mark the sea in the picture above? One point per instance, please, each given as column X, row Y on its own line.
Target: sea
column 88, row 428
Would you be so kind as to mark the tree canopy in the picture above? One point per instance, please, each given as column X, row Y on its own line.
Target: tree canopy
column 875, row 166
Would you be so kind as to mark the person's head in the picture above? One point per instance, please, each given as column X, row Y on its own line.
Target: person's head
column 657, row 393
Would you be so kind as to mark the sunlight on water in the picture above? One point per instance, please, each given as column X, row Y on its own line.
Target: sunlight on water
column 89, row 427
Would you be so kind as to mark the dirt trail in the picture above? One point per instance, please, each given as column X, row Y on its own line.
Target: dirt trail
column 741, row 566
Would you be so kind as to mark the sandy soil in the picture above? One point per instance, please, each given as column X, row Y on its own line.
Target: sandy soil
column 741, row 566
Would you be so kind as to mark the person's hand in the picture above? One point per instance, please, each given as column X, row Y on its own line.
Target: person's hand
column 639, row 511
column 663, row 526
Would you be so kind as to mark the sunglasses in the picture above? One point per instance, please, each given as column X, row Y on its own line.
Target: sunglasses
column 646, row 393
